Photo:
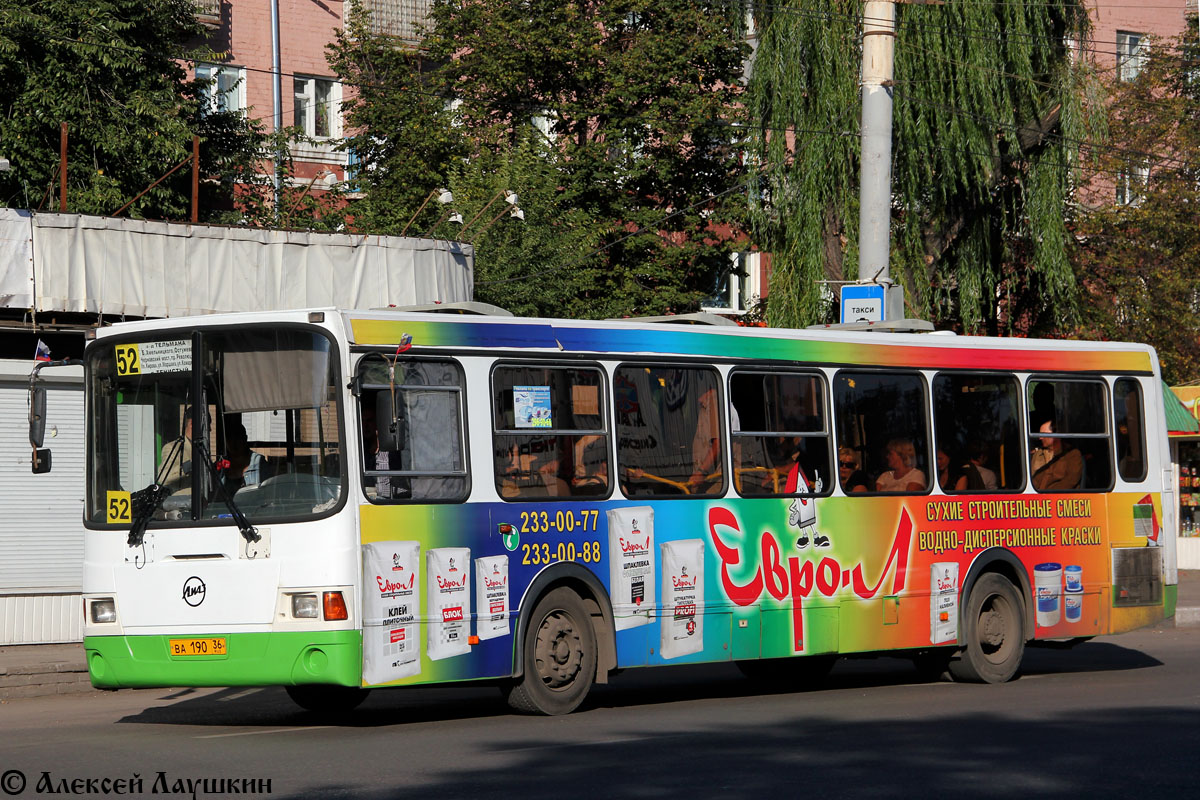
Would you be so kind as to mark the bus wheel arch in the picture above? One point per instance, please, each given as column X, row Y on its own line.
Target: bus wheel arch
column 565, row 608
column 994, row 619
column 1004, row 562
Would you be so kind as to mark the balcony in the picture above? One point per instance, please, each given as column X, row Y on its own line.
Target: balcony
column 208, row 13
column 401, row 19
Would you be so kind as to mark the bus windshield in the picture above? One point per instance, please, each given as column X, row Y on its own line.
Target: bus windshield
column 244, row 417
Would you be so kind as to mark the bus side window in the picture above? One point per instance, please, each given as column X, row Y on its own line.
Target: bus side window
column 780, row 436
column 549, row 431
column 423, row 459
column 669, row 438
column 977, row 421
column 1070, row 446
column 883, row 416
column 1130, row 430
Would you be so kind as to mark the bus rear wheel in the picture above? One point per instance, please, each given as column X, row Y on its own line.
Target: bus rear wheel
column 558, row 657
column 324, row 699
column 994, row 632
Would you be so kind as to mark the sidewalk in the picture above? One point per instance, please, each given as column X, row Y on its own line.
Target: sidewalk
column 44, row 669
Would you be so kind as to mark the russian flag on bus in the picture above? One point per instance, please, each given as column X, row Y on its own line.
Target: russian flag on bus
column 42, row 353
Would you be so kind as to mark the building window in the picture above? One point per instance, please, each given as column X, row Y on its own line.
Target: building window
column 316, row 110
column 1131, row 54
column 406, row 20
column 1131, row 185
column 738, row 289
column 225, row 90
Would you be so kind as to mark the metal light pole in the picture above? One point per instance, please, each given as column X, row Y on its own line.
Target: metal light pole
column 875, row 188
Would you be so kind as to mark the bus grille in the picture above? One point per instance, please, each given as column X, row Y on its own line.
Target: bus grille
column 1137, row 576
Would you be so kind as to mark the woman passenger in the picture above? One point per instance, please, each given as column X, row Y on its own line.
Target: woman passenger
column 852, row 477
column 902, row 474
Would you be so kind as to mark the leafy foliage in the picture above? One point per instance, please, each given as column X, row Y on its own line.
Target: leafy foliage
column 988, row 105
column 110, row 69
column 1138, row 262
column 611, row 120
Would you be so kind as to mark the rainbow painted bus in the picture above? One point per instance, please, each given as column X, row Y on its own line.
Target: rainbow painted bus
column 338, row 501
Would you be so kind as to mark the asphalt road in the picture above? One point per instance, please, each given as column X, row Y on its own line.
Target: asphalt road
column 1118, row 716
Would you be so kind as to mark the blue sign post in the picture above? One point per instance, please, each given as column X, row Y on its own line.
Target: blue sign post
column 862, row 303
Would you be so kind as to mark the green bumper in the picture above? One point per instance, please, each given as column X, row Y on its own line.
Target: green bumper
column 251, row 659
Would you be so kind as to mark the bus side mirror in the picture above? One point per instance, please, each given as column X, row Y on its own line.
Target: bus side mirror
column 41, row 460
column 37, row 416
column 391, row 427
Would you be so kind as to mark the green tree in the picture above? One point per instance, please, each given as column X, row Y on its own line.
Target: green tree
column 112, row 70
column 612, row 120
column 402, row 138
column 1138, row 260
column 988, row 108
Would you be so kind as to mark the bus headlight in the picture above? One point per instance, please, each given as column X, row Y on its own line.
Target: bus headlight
column 305, row 606
column 103, row 611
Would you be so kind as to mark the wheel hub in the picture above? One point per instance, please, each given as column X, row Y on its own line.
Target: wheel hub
column 991, row 628
column 558, row 652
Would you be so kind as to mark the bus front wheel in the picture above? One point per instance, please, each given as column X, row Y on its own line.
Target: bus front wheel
column 559, row 657
column 993, row 631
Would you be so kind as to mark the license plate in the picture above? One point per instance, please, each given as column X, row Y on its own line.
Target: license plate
column 209, row 646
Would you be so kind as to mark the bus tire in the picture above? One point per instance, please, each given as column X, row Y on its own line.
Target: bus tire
column 993, row 631
column 325, row 699
column 559, row 654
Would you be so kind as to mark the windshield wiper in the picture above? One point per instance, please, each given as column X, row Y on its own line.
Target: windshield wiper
column 248, row 531
column 144, row 502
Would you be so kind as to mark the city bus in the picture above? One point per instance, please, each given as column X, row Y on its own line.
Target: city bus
column 338, row 501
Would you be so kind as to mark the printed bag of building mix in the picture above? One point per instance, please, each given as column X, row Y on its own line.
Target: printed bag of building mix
column 391, row 599
column 682, row 604
column 491, row 597
column 448, row 573
column 631, row 559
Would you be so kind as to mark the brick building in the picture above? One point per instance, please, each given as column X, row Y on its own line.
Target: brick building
column 257, row 37
column 1122, row 35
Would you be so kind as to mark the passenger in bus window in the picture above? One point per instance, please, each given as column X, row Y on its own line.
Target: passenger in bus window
column 902, row 474
column 1055, row 468
column 706, row 445
column 246, row 467
column 177, row 455
column 975, row 476
column 946, row 476
column 591, row 464
column 852, row 477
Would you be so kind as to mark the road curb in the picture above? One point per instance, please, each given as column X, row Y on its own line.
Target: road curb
column 1185, row 617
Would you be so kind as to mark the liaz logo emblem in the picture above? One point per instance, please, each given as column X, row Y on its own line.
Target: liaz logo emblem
column 193, row 591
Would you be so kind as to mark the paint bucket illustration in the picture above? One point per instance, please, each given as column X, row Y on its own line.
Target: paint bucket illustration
column 1048, row 586
column 1074, row 577
column 1073, row 606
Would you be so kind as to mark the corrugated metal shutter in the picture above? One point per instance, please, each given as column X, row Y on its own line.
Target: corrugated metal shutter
column 41, row 516
column 40, row 619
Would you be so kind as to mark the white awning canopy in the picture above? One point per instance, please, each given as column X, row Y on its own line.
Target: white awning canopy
column 116, row 266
